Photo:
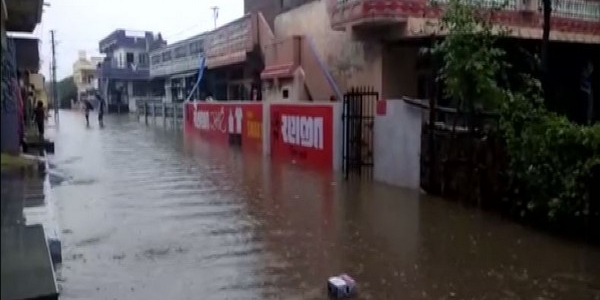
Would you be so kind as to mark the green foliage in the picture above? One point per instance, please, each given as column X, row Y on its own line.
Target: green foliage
column 67, row 90
column 554, row 164
column 471, row 63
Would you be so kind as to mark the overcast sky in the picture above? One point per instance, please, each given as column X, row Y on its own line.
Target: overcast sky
column 80, row 24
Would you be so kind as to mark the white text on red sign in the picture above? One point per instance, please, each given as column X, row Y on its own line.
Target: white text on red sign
column 302, row 131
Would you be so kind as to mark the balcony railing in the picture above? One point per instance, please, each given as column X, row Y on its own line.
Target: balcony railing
column 500, row 4
column 571, row 9
column 576, row 9
column 175, row 66
column 130, row 72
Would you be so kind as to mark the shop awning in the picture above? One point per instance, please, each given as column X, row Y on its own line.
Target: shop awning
column 278, row 71
column 183, row 75
column 23, row 15
column 27, row 54
column 226, row 59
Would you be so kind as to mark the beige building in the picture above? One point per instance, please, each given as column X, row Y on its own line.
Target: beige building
column 376, row 43
column 84, row 74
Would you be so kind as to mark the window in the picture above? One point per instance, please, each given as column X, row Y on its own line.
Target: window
column 166, row 56
column 286, row 93
column 143, row 58
column 156, row 59
column 180, row 52
column 197, row 47
column 129, row 58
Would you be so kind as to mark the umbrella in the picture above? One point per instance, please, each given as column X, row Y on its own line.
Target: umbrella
column 88, row 104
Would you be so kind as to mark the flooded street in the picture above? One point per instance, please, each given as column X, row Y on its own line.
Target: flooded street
column 148, row 214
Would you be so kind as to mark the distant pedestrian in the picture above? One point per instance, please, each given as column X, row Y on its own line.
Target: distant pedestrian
column 88, row 107
column 40, row 117
column 100, row 109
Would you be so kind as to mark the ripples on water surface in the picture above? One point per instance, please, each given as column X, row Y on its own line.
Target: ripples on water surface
column 148, row 215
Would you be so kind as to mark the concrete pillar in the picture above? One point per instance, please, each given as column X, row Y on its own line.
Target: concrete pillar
column 146, row 113
column 175, row 109
column 397, row 145
column 184, row 115
column 153, row 112
column 337, row 135
column 164, row 113
column 266, row 128
column 168, row 96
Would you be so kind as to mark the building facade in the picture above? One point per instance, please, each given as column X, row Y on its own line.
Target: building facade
column 176, row 67
column 376, row 43
column 233, row 62
column 84, row 75
column 293, row 68
column 124, row 75
column 20, row 59
column 244, row 62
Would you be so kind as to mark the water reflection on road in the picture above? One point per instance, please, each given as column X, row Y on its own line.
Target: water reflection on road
column 147, row 214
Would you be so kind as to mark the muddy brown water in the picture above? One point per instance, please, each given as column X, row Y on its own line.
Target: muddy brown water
column 148, row 214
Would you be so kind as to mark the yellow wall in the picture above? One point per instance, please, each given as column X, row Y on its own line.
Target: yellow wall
column 83, row 68
column 37, row 80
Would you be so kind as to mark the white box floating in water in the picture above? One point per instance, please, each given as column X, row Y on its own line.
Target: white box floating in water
column 341, row 286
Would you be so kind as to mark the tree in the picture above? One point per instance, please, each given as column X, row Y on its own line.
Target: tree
column 470, row 64
column 471, row 61
column 553, row 165
column 66, row 91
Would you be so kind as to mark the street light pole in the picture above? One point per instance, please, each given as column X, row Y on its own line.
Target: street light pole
column 53, row 71
column 215, row 10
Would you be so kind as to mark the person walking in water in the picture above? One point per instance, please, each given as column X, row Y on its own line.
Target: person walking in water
column 88, row 107
column 39, row 115
column 100, row 109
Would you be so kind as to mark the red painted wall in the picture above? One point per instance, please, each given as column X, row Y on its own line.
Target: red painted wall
column 238, row 124
column 303, row 134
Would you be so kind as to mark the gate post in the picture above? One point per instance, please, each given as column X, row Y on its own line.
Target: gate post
column 146, row 112
column 164, row 114
column 184, row 115
column 358, row 122
column 345, row 134
column 175, row 116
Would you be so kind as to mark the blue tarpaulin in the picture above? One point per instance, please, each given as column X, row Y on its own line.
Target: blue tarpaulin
column 200, row 73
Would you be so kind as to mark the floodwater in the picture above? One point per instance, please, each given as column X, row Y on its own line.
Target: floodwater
column 148, row 214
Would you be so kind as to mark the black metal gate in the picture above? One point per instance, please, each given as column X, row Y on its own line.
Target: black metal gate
column 358, row 118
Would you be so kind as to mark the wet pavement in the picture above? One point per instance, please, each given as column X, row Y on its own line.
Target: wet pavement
column 148, row 214
column 27, row 270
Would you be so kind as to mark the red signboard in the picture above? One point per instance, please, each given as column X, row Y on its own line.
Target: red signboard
column 381, row 107
column 303, row 134
column 237, row 124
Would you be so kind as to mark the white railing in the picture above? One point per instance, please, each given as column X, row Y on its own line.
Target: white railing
column 500, row 4
column 576, row 9
column 178, row 65
column 573, row 9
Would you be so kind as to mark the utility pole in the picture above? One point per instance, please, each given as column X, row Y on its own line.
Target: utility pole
column 53, row 73
column 215, row 10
